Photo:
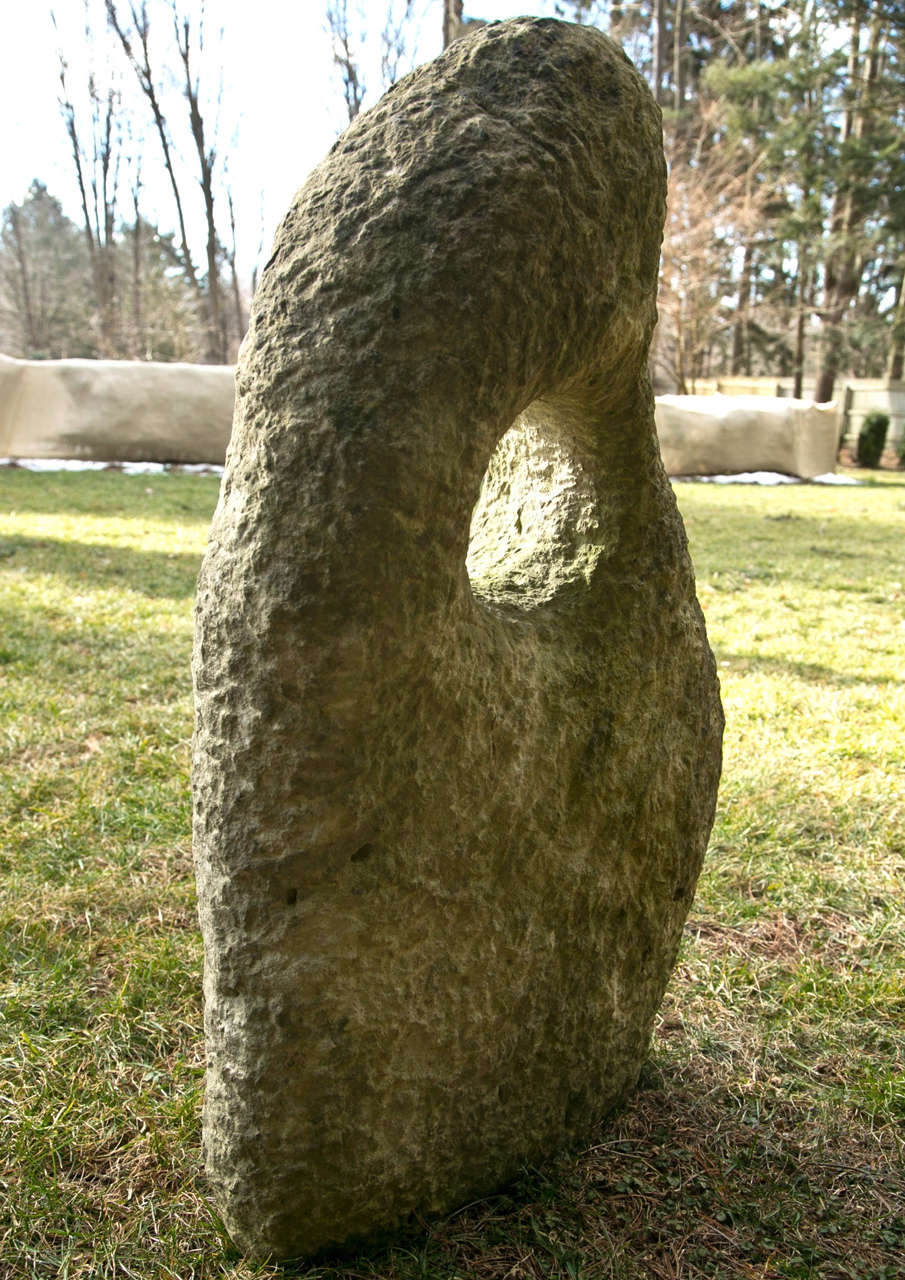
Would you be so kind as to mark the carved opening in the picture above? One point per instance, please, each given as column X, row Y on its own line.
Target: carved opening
column 536, row 527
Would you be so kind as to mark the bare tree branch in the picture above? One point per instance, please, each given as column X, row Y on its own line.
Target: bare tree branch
column 136, row 49
column 344, row 56
column 207, row 156
column 100, row 172
column 393, row 41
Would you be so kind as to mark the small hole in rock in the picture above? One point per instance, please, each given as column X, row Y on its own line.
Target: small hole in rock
column 535, row 528
column 360, row 855
column 292, row 897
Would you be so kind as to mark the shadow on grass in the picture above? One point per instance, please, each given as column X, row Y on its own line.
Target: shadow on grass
column 158, row 574
column 693, row 1178
column 109, row 493
column 815, row 672
column 764, row 538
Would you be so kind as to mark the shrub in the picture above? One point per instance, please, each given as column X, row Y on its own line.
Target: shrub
column 871, row 439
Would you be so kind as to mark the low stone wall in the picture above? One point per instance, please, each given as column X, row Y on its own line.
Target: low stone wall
column 134, row 411
column 857, row 397
column 115, row 410
column 714, row 435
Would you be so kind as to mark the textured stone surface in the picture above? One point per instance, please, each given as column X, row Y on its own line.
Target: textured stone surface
column 721, row 435
column 115, row 410
column 448, row 821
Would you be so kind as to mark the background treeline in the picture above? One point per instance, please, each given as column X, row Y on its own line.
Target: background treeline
column 784, row 251
column 140, row 88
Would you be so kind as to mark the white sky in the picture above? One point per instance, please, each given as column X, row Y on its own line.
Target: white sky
column 281, row 101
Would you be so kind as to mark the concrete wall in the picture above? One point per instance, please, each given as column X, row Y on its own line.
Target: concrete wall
column 874, row 395
column 115, row 410
column 713, row 435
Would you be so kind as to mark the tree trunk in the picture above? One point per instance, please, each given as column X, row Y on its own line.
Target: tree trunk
column 895, row 362
column 109, row 294
column 800, row 321
column 678, row 56
column 681, row 384
column 138, row 343
column 231, row 256
column 845, row 264
column 31, row 337
column 658, row 49
column 741, row 355
column 216, row 342
column 452, row 21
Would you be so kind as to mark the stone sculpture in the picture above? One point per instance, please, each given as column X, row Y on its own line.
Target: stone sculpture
column 448, row 819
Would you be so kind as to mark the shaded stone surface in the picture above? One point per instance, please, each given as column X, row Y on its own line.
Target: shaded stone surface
column 448, row 819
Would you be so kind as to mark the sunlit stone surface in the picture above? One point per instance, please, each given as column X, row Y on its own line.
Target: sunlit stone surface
column 450, row 806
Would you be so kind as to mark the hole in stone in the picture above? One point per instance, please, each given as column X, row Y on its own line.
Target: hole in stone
column 292, row 897
column 536, row 526
column 361, row 854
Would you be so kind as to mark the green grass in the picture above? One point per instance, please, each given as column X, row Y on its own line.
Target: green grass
column 766, row 1139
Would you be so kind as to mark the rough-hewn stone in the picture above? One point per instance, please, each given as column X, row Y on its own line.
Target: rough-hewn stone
column 447, row 828
column 714, row 435
column 115, row 410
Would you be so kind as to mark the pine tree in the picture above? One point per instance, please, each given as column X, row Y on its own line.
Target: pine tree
column 46, row 295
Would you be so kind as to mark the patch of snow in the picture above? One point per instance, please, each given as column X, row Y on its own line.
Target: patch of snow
column 128, row 468
column 52, row 464
column 766, row 478
column 140, row 468
column 744, row 477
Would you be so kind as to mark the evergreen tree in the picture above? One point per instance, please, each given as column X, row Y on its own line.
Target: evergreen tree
column 46, row 302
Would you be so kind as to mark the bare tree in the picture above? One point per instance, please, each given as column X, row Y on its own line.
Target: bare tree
column 713, row 206
column 452, row 21
column 352, row 40
column 344, row 56
column 130, row 21
column 207, row 157
column 135, row 40
column 96, row 153
column 394, row 53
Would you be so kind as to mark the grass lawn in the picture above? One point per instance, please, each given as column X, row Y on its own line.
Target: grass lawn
column 766, row 1139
